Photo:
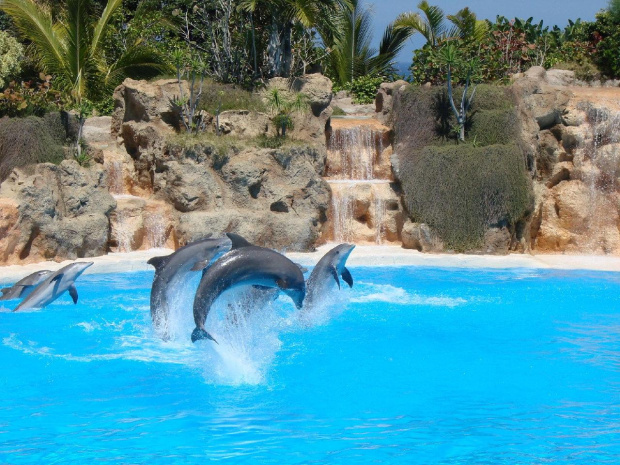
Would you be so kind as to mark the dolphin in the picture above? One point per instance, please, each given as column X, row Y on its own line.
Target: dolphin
column 175, row 268
column 24, row 286
column 245, row 265
column 326, row 272
column 54, row 285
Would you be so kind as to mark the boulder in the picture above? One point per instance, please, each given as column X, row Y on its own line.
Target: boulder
column 419, row 236
column 144, row 101
column 63, row 213
column 384, row 100
column 309, row 125
column 243, row 123
column 560, row 77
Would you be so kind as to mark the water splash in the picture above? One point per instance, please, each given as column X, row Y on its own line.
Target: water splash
column 155, row 224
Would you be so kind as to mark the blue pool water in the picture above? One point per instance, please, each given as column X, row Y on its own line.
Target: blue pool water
column 413, row 365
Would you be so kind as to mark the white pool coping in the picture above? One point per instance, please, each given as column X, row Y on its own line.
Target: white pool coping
column 361, row 256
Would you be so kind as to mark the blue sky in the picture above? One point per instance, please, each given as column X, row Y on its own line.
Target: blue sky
column 551, row 12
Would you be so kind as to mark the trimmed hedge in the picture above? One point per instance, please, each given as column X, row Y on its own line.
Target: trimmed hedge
column 461, row 190
column 25, row 141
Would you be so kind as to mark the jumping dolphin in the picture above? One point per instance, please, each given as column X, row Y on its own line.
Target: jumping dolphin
column 174, row 268
column 327, row 270
column 244, row 265
column 24, row 286
column 54, row 285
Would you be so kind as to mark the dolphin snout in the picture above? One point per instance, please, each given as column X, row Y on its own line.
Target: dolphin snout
column 297, row 296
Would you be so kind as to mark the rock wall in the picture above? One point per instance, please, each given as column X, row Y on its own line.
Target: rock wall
column 54, row 211
column 143, row 190
column 571, row 137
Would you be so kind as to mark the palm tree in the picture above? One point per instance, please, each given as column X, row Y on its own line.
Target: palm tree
column 72, row 50
column 432, row 25
column 284, row 14
column 351, row 56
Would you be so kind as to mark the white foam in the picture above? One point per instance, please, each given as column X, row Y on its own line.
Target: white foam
column 369, row 292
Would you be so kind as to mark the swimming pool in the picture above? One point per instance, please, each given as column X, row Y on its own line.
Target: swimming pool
column 412, row 365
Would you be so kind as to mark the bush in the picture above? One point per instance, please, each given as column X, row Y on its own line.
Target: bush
column 24, row 141
column 364, row 88
column 425, row 117
column 461, row 190
column 228, row 97
column 11, row 57
column 493, row 127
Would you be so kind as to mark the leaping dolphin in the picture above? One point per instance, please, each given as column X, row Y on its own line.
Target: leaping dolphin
column 54, row 285
column 244, row 265
column 326, row 272
column 24, row 286
column 174, row 268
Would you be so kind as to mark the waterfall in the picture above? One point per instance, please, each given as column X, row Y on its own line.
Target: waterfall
column 155, row 225
column 358, row 211
column 123, row 233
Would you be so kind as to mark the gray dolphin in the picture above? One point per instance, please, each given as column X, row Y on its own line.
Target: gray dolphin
column 175, row 268
column 244, row 265
column 24, row 286
column 54, row 285
column 326, row 272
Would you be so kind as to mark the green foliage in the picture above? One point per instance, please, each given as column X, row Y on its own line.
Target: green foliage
column 11, row 56
column 364, row 88
column 338, row 111
column 351, row 56
column 282, row 106
column 606, row 34
column 104, row 107
column 267, row 142
column 494, row 127
column 25, row 141
column 68, row 42
column 229, row 97
column 461, row 190
column 30, row 98
column 82, row 156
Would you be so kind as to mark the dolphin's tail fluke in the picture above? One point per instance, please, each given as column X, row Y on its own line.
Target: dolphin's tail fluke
column 200, row 333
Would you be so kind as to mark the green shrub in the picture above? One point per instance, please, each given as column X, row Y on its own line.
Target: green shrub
column 493, row 127
column 267, row 142
column 24, row 141
column 11, row 57
column 228, row 97
column 461, row 190
column 425, row 117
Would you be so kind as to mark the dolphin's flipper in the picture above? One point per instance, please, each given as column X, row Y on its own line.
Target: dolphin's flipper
column 237, row 241
column 201, row 265
column 346, row 275
column 199, row 334
column 73, row 293
column 158, row 262
column 334, row 273
column 23, row 289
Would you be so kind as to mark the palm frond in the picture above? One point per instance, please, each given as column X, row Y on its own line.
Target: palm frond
column 103, row 21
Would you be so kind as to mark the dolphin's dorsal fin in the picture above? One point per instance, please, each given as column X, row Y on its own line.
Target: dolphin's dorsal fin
column 158, row 262
column 303, row 269
column 334, row 273
column 237, row 241
column 346, row 275
column 73, row 293
column 201, row 265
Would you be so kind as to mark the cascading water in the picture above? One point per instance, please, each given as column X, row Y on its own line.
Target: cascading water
column 597, row 161
column 155, row 226
column 356, row 171
column 116, row 183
